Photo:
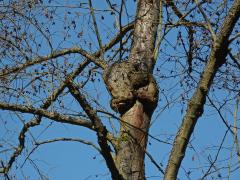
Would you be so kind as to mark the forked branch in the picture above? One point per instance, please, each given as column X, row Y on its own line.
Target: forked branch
column 196, row 104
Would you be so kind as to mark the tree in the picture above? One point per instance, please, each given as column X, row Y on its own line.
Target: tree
column 54, row 54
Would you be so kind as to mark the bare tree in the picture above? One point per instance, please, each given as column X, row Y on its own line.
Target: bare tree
column 61, row 61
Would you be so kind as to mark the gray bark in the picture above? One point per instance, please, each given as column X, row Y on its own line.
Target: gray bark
column 135, row 93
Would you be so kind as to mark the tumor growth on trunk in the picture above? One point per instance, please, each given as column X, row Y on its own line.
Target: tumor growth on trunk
column 130, row 81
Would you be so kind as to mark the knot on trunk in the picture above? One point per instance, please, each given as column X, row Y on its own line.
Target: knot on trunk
column 130, row 81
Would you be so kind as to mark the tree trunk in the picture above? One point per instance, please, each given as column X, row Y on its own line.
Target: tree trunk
column 135, row 93
column 132, row 142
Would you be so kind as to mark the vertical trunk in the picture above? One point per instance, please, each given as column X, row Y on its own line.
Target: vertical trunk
column 132, row 143
column 142, row 96
column 145, row 32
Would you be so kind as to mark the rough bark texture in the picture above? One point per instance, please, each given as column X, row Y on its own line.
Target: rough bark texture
column 145, row 32
column 196, row 104
column 135, row 93
column 132, row 142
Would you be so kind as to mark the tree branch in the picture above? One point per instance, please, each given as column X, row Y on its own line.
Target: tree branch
column 54, row 55
column 234, row 60
column 206, row 19
column 154, row 162
column 216, row 157
column 37, row 120
column 190, row 33
column 196, row 103
column 42, row 112
column 53, row 96
column 95, row 26
column 234, row 37
column 73, row 50
column 69, row 139
column 101, row 130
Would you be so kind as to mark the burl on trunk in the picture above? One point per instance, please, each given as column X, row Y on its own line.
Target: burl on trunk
column 134, row 92
column 134, row 95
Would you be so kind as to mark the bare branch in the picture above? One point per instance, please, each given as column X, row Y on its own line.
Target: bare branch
column 196, row 104
column 235, row 128
column 190, row 33
column 154, row 162
column 42, row 112
column 35, row 24
column 119, row 36
column 9, row 41
column 95, row 26
column 159, row 31
column 71, row 140
column 234, row 60
column 37, row 120
column 220, row 114
column 98, row 126
column 206, row 19
column 216, row 157
column 187, row 24
column 53, row 96
column 73, row 50
column 54, row 55
column 234, row 37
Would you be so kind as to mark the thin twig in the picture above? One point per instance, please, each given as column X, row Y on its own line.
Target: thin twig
column 207, row 20
column 101, row 130
column 70, row 139
column 235, row 129
column 96, row 27
column 154, row 162
column 234, row 60
column 216, row 157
